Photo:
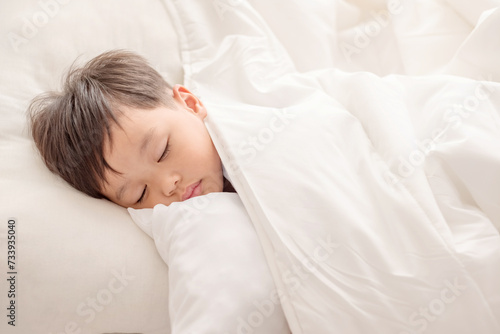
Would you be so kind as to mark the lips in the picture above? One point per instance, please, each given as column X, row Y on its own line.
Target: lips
column 192, row 191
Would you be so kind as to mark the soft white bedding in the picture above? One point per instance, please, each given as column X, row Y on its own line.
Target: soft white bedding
column 376, row 199
column 381, row 240
column 219, row 281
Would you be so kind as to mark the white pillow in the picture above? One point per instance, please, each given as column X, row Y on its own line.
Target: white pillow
column 219, row 281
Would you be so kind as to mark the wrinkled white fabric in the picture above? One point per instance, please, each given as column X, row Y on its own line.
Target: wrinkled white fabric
column 219, row 281
column 375, row 196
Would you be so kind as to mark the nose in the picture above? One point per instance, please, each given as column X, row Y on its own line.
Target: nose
column 169, row 184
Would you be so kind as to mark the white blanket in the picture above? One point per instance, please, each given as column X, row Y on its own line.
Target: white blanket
column 376, row 198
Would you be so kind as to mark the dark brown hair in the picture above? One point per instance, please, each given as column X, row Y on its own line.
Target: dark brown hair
column 71, row 126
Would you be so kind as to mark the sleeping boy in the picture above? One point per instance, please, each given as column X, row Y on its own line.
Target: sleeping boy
column 119, row 131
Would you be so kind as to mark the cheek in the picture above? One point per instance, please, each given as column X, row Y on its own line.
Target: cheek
column 211, row 166
column 199, row 155
column 203, row 149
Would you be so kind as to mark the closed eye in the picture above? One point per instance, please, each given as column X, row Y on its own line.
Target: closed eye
column 142, row 196
column 165, row 152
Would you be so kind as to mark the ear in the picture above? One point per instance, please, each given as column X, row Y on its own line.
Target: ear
column 189, row 101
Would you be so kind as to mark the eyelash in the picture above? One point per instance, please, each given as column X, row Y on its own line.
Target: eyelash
column 142, row 195
column 163, row 155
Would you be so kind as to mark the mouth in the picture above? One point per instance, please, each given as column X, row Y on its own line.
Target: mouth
column 192, row 191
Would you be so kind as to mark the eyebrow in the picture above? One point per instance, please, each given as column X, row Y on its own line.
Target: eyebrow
column 121, row 191
column 146, row 140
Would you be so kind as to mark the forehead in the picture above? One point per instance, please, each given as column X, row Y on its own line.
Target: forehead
column 128, row 127
column 131, row 124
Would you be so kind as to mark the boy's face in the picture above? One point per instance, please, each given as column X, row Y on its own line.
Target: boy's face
column 164, row 155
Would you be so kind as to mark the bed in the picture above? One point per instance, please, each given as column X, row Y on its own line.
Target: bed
column 362, row 137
